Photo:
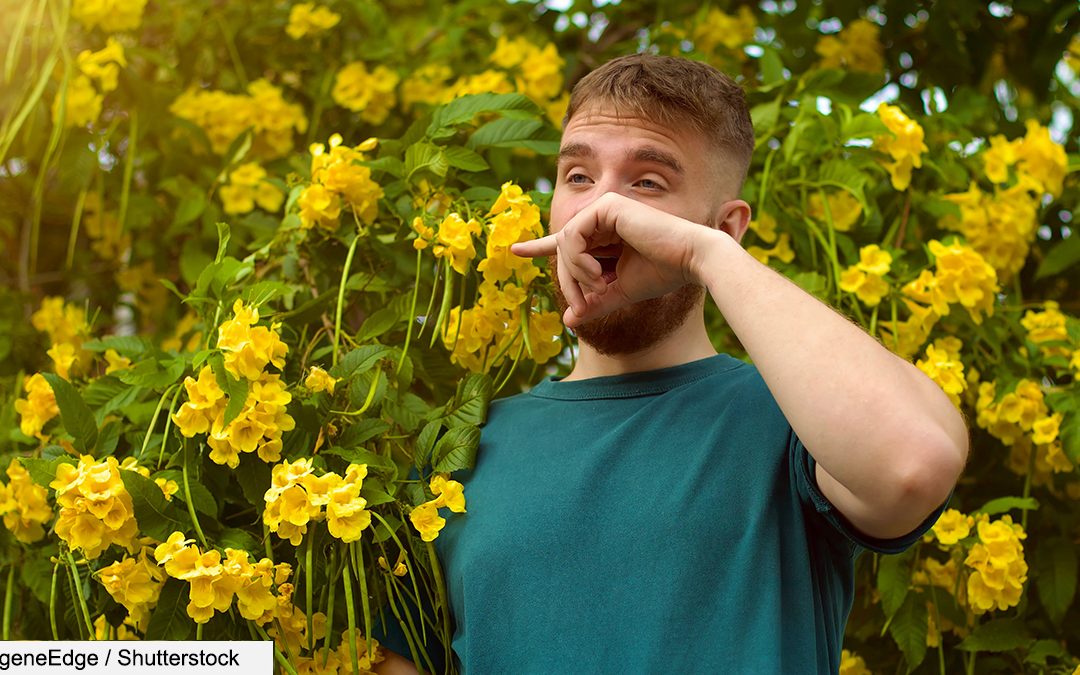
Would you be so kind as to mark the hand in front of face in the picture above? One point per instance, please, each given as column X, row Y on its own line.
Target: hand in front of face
column 655, row 249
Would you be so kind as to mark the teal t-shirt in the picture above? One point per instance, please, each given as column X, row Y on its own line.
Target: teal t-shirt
column 653, row 522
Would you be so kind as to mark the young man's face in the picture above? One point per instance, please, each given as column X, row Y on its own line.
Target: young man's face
column 672, row 170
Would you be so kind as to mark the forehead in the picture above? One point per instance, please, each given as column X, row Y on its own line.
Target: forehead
column 603, row 133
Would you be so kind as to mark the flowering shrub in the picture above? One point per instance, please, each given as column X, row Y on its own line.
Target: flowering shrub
column 260, row 294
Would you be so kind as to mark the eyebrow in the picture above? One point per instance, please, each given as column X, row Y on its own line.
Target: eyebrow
column 648, row 153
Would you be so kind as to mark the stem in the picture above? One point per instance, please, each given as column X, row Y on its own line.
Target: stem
column 350, row 612
column 153, row 422
column 412, row 571
column 444, row 604
column 9, row 596
column 1027, row 485
column 444, row 307
column 168, row 426
column 412, row 315
column 341, row 295
column 367, row 400
column 332, row 584
column 282, row 661
column 190, row 502
column 79, row 595
column 198, row 631
column 52, row 600
column 361, row 575
column 76, row 221
column 309, row 587
column 408, row 630
column 129, row 169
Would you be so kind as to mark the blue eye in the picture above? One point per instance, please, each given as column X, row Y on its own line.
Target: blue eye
column 572, row 178
column 649, row 184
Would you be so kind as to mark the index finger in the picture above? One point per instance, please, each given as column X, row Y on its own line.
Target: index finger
column 535, row 248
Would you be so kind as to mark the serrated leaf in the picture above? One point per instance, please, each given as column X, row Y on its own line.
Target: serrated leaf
column 456, row 450
column 471, row 402
column 43, row 471
column 232, row 537
column 1055, row 576
column 377, row 323
column 999, row 635
column 503, row 132
column 374, row 461
column 1003, row 504
column 235, row 388
column 362, row 431
column 253, row 474
column 893, row 582
column 425, row 442
column 359, row 360
column 423, row 156
column 201, row 497
column 170, row 620
column 908, row 629
column 863, row 125
column 156, row 517
column 464, row 108
column 463, row 158
column 125, row 345
column 74, row 413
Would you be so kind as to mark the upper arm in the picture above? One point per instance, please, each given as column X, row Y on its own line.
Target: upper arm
column 395, row 664
column 870, row 519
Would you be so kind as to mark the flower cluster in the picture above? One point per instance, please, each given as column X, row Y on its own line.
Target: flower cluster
column 961, row 276
column 215, row 581
column 247, row 187
column 942, row 364
column 719, row 29
column 852, row 664
column 480, row 337
column 318, row 380
column 952, row 526
column 369, row 93
column 781, row 251
column 95, row 507
column 338, row 179
column 857, row 47
column 425, row 517
column 866, row 277
column 135, row 582
column 306, row 19
column 839, row 207
column 66, row 326
column 427, row 85
column 339, row 660
column 1048, row 325
column 905, row 146
column 111, row 15
column 1016, row 413
column 24, row 505
column 998, row 563
column 107, row 237
column 82, row 100
column 225, row 116
column 247, row 349
column 538, row 71
column 38, row 407
column 297, row 496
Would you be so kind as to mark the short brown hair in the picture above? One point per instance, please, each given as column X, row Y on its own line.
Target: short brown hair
column 668, row 90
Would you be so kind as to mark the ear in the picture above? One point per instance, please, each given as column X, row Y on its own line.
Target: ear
column 733, row 218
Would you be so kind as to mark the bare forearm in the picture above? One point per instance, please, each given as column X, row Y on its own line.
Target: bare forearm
column 873, row 421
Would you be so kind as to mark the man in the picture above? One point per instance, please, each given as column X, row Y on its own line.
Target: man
column 664, row 508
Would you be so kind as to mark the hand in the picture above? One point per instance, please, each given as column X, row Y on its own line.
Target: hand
column 655, row 249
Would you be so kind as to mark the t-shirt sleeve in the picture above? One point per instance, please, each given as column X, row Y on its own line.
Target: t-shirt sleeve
column 805, row 482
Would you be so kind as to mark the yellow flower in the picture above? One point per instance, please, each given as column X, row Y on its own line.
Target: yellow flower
column 905, row 146
column 450, row 493
column 135, row 583
column 765, row 226
column 852, row 664
column 998, row 158
column 952, row 526
column 1043, row 160
column 999, row 566
column 319, row 206
column 115, row 361
column 719, row 29
column 870, row 288
column 24, row 505
column 427, row 521
column 782, row 251
column 857, row 47
column 945, row 369
column 110, row 15
column 64, row 357
column 455, row 241
column 491, row 81
column 369, row 93
column 541, row 73
column 319, row 380
column 96, row 509
column 426, row 85
column 873, row 260
column 38, row 407
column 306, row 19
column 248, row 350
column 843, row 208
column 205, row 402
column 1045, row 429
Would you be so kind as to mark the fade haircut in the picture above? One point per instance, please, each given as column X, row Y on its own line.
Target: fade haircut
column 674, row 92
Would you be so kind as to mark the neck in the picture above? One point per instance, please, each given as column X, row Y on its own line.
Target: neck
column 689, row 342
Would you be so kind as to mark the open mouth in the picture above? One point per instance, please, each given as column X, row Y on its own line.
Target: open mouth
column 608, row 257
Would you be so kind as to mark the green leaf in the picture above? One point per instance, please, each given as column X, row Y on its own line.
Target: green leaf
column 224, row 235
column 374, row 461
column 764, row 116
column 74, row 413
column 253, row 474
column 1003, row 504
column 359, row 360
column 201, row 497
column 463, row 109
column 155, row 515
column 1062, row 256
column 152, row 373
column 909, row 628
column 374, row 497
column 425, row 442
column 170, row 620
column 423, row 156
column 362, row 431
column 232, row 537
column 379, row 322
column 863, row 125
column 1070, row 437
column 43, row 471
column 893, row 581
column 1055, row 576
column 505, row 132
column 999, row 635
column 456, row 449
column 235, row 388
column 1044, row 649
column 463, row 158
column 471, row 402
column 772, row 68
column 190, row 208
column 382, row 533
column 36, row 574
column 125, row 345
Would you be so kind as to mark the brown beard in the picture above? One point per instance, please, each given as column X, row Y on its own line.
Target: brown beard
column 636, row 327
